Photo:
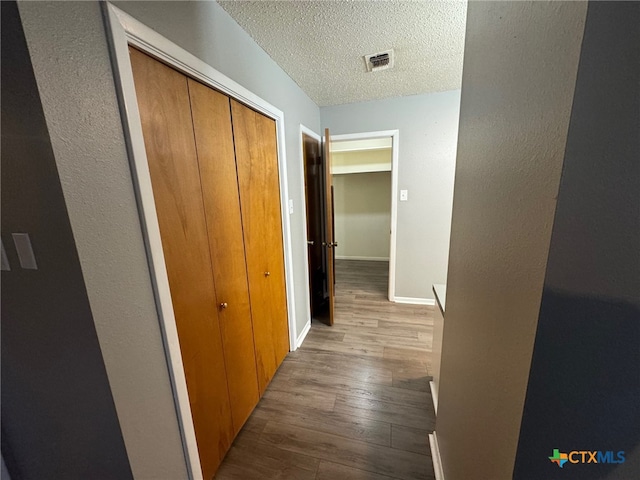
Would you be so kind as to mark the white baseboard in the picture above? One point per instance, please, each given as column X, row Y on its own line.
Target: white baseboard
column 414, row 301
column 303, row 334
column 373, row 259
column 435, row 456
column 434, row 395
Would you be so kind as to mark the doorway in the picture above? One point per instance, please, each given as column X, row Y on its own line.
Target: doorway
column 357, row 189
column 365, row 180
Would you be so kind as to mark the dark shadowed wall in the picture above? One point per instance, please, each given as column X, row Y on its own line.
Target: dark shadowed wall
column 58, row 416
column 584, row 386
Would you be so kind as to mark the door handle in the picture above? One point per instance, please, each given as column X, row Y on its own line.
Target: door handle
column 310, row 242
column 224, row 305
column 266, row 274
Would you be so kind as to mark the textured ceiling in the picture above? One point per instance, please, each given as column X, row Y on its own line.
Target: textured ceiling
column 320, row 44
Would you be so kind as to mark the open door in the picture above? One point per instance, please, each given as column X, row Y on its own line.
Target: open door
column 329, row 243
column 320, row 236
column 314, row 196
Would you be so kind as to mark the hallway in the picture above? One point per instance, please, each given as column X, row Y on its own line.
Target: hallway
column 353, row 402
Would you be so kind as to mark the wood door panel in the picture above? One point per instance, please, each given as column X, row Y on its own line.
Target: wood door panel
column 163, row 100
column 314, row 200
column 214, row 142
column 257, row 166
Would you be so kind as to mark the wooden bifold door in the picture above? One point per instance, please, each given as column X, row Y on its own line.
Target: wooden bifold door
column 214, row 173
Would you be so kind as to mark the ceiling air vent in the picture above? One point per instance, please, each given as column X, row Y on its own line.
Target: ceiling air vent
column 379, row 61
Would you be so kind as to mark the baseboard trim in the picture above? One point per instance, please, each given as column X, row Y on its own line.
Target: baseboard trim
column 303, row 334
column 435, row 456
column 434, row 395
column 414, row 301
column 373, row 259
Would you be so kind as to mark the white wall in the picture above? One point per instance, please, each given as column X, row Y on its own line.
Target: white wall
column 520, row 66
column 362, row 211
column 428, row 127
column 68, row 47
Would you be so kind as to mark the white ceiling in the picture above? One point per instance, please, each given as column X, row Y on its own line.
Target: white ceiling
column 320, row 44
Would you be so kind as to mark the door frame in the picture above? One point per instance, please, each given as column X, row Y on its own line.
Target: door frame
column 395, row 136
column 306, row 131
column 124, row 30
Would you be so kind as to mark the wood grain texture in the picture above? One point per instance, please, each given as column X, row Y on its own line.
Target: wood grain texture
column 358, row 413
column 163, row 101
column 216, row 158
column 257, row 167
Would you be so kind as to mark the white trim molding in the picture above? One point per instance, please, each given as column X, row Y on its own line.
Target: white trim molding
column 435, row 456
column 434, row 395
column 303, row 334
column 414, row 300
column 395, row 148
column 122, row 31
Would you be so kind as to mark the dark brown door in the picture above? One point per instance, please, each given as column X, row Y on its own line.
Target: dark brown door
column 329, row 243
column 165, row 112
column 216, row 158
column 258, row 181
column 314, row 196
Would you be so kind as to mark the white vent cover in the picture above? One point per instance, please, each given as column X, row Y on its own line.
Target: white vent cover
column 379, row 61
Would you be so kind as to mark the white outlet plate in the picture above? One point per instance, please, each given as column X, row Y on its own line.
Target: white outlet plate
column 404, row 195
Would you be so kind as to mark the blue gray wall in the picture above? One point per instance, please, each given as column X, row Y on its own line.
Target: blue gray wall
column 584, row 385
column 428, row 126
column 58, row 415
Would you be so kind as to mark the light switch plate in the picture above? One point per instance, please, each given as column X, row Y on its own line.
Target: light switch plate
column 404, row 195
column 290, row 207
column 25, row 252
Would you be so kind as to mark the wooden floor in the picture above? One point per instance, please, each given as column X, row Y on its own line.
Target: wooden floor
column 353, row 402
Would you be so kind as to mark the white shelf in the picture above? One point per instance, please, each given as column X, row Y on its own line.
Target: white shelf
column 363, row 168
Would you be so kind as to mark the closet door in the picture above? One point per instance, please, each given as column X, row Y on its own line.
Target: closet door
column 257, row 165
column 163, row 100
column 214, row 142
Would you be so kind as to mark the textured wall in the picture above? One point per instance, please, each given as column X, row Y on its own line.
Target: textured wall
column 209, row 33
column 362, row 211
column 58, row 415
column 585, row 374
column 69, row 52
column 428, row 126
column 520, row 67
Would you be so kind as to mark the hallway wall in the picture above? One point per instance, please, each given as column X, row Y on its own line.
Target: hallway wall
column 58, row 415
column 520, row 66
column 584, row 384
column 428, row 126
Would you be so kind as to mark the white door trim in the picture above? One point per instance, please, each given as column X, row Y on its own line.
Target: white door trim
column 122, row 31
column 395, row 135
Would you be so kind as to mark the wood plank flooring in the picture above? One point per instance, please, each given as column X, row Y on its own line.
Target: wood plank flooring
column 354, row 401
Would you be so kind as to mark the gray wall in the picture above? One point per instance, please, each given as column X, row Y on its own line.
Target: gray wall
column 58, row 415
column 584, row 385
column 68, row 48
column 520, row 66
column 428, row 126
